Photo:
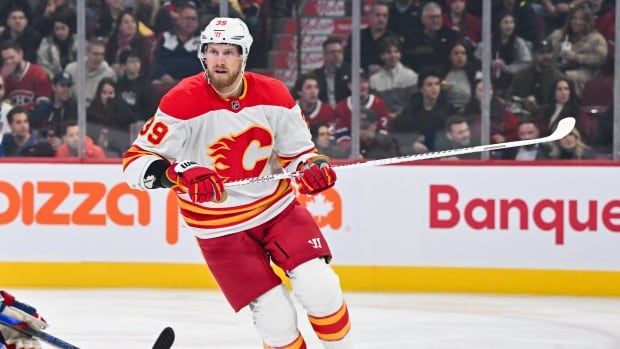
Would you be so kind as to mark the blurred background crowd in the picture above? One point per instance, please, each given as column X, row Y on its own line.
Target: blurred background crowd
column 420, row 82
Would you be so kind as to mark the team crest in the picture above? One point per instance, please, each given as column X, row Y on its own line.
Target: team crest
column 235, row 105
column 242, row 155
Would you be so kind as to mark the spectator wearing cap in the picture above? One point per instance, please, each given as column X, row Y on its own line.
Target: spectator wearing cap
column 394, row 83
column 579, row 49
column 424, row 115
column 59, row 48
column 534, row 84
column 371, row 36
column 429, row 47
column 64, row 106
column 96, row 68
column 27, row 84
column 19, row 28
column 368, row 100
column 373, row 144
column 334, row 74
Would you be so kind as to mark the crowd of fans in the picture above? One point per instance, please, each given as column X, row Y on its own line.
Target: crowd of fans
column 420, row 81
column 421, row 85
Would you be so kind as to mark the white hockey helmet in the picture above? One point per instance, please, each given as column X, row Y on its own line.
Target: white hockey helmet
column 224, row 30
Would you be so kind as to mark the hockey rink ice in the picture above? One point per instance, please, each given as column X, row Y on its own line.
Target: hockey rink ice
column 133, row 318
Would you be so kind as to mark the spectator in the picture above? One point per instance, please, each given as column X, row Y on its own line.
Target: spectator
column 523, row 15
column 21, row 142
column 510, row 53
column 458, row 19
column 152, row 15
column 5, row 107
column 457, row 135
column 109, row 119
column 96, row 68
column 126, row 36
column 373, row 144
column 572, row 147
column 605, row 20
column 430, row 47
column 394, row 83
column 534, row 84
column 19, row 29
column 69, row 148
column 108, row 17
column 64, row 107
column 405, row 17
column 315, row 111
column 459, row 76
column 133, row 87
column 424, row 115
column 8, row 5
column 27, row 84
column 59, row 48
column 334, row 73
column 370, row 38
column 47, row 13
column 504, row 123
column 175, row 55
column 323, row 140
column 528, row 130
column 368, row 101
column 579, row 50
column 565, row 104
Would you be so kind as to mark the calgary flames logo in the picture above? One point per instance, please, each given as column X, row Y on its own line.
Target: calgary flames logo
column 242, row 155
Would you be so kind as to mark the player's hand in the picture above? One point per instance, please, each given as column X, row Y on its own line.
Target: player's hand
column 317, row 175
column 201, row 183
column 28, row 316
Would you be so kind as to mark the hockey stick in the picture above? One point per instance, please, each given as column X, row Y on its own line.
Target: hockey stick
column 165, row 339
column 19, row 326
column 565, row 126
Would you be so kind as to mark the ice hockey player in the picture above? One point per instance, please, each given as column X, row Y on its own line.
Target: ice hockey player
column 27, row 315
column 227, row 124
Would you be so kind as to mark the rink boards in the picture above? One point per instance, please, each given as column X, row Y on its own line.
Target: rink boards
column 441, row 226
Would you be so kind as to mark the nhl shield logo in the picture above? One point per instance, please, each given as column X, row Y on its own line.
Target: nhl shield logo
column 235, row 105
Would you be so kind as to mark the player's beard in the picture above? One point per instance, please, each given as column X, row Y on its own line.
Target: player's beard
column 223, row 81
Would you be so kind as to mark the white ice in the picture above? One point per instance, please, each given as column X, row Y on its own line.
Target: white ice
column 132, row 318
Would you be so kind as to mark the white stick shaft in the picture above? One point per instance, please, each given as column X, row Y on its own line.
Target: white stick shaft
column 565, row 126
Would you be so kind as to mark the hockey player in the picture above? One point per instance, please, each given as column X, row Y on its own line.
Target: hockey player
column 227, row 124
column 13, row 339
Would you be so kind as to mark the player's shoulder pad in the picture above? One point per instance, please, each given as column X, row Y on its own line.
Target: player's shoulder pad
column 269, row 91
column 188, row 99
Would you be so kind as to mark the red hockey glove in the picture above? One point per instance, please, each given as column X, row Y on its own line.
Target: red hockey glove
column 201, row 183
column 317, row 175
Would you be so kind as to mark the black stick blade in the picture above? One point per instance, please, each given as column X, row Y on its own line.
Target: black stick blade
column 165, row 339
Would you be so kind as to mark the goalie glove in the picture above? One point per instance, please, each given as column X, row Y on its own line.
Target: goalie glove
column 28, row 316
column 317, row 175
column 201, row 183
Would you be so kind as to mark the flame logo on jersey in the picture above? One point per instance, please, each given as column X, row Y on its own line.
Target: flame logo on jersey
column 243, row 155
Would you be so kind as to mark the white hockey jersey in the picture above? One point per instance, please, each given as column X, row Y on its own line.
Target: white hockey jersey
column 260, row 133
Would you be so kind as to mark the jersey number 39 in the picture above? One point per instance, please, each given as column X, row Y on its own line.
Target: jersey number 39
column 156, row 131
